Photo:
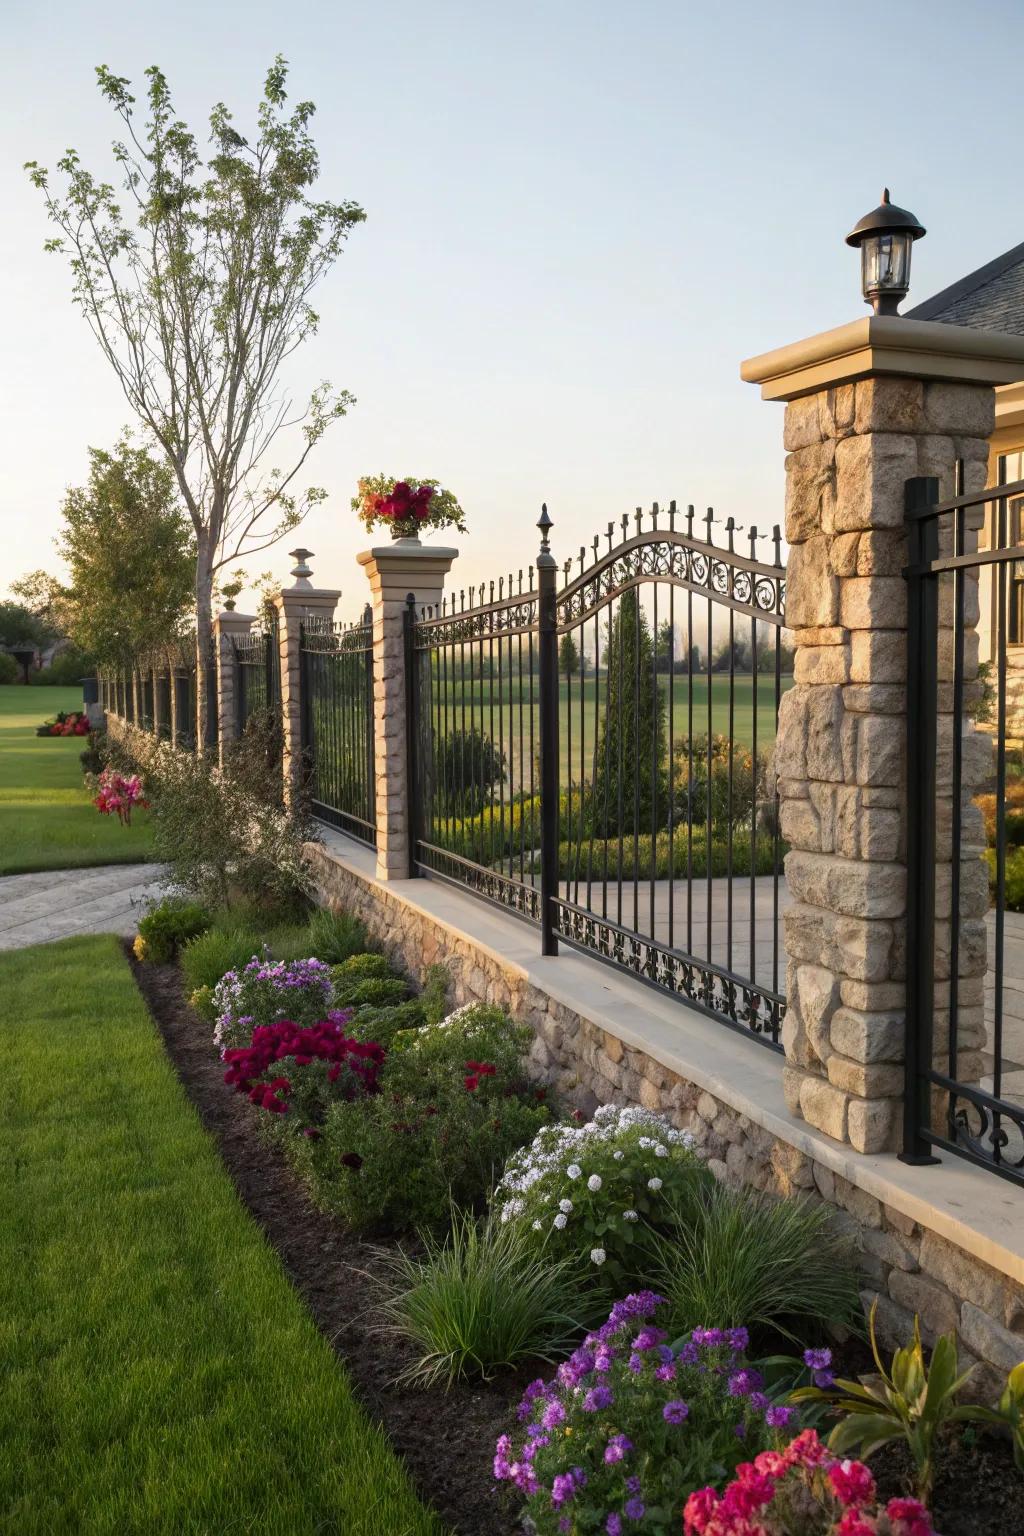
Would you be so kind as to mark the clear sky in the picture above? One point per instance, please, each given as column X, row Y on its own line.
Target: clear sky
column 582, row 215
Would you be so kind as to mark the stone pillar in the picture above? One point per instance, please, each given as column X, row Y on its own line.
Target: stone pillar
column 394, row 570
column 296, row 605
column 226, row 627
column 870, row 406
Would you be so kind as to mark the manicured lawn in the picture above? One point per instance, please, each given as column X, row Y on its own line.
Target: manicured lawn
column 46, row 818
column 505, row 716
column 159, row 1373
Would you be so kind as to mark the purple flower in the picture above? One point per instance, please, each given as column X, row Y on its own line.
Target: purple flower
column 632, row 1485
column 524, row 1477
column 742, row 1383
column 737, row 1339
column 597, row 1398
column 502, row 1451
column 649, row 1338
column 665, row 1373
column 777, row 1417
column 553, row 1415
column 563, row 1488
column 759, row 1401
column 613, row 1525
column 817, row 1359
column 636, row 1363
column 634, row 1509
column 616, row 1448
column 688, row 1353
column 604, row 1358
column 822, row 1378
column 675, row 1411
column 708, row 1338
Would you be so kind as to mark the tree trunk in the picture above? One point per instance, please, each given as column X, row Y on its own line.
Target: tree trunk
column 206, row 701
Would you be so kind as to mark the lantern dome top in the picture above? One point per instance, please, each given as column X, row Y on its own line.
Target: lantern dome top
column 886, row 217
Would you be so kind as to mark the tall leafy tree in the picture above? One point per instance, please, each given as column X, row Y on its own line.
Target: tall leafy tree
column 130, row 553
column 568, row 656
column 198, row 289
column 631, row 744
column 24, row 631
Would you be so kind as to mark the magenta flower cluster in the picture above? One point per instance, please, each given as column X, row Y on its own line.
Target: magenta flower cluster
column 267, row 991
column 628, row 1423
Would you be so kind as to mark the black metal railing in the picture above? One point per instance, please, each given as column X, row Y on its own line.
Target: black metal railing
column 577, row 757
column 257, row 675
column 965, row 758
column 336, row 675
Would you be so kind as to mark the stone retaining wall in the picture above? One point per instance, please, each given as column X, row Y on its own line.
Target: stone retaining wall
column 907, row 1266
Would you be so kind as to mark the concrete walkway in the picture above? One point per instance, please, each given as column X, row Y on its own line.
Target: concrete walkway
column 37, row 909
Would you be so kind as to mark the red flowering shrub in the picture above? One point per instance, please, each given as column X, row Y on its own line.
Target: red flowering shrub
column 325, row 1065
column 118, row 794
column 73, row 723
column 407, row 505
column 805, row 1489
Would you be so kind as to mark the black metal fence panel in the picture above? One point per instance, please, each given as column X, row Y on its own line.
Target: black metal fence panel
column 965, row 839
column 336, row 676
column 581, row 760
column 257, row 675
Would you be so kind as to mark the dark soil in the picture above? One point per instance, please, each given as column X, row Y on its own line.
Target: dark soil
column 446, row 1439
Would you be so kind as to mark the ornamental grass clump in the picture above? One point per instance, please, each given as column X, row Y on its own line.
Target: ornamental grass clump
column 802, row 1490
column 264, row 992
column 479, row 1300
column 749, row 1259
column 631, row 1424
column 601, row 1191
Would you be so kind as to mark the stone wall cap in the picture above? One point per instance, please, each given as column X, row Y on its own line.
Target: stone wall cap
column 886, row 344
column 309, row 596
column 229, row 619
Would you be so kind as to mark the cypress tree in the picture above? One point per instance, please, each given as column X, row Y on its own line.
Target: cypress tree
column 632, row 735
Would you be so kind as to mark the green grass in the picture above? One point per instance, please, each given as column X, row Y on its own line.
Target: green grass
column 159, row 1373
column 47, row 820
column 479, row 702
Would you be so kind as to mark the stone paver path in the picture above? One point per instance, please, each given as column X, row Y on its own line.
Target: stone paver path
column 36, row 909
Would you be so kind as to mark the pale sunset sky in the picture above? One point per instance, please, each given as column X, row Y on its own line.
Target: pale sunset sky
column 581, row 217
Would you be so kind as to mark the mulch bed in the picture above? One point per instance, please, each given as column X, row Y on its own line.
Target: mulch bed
column 446, row 1439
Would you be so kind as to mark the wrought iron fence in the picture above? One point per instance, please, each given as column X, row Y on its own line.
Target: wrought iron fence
column 965, row 759
column 336, row 676
column 257, row 675
column 577, row 757
column 474, row 735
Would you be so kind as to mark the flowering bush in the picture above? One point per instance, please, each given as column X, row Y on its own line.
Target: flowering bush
column 65, row 723
column 802, row 1491
column 322, row 1064
column 167, row 926
column 118, row 794
column 600, row 1189
column 406, row 506
column 453, row 1103
column 266, row 991
column 630, row 1425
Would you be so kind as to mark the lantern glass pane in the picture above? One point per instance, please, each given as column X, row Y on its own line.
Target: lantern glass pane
column 885, row 263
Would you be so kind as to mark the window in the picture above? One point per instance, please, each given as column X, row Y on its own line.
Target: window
column 1010, row 469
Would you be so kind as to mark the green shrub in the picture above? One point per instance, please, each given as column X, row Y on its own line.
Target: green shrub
column 453, row 1104
column 169, row 925
column 95, row 756
column 1015, row 828
column 65, row 671
column 223, row 836
column 383, row 1024
column 751, row 1261
column 365, row 967
column 1014, row 877
column 201, row 999
column 335, row 936
column 204, row 960
column 374, row 992
column 480, row 1300
column 10, row 672
column 601, row 1192
column 672, row 857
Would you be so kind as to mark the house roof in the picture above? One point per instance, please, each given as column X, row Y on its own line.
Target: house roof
column 990, row 299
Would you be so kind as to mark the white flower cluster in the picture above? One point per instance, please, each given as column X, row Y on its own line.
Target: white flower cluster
column 561, row 1152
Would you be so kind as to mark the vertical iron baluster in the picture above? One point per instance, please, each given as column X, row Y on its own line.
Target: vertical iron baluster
column 547, row 641
column 922, row 684
column 672, row 751
column 1000, row 811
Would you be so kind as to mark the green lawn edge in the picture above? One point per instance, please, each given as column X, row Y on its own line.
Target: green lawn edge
column 47, row 820
column 160, row 1374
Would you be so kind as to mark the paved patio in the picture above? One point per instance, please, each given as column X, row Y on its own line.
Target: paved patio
column 40, row 908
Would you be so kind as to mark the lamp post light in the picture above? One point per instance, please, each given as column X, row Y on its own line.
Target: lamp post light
column 885, row 236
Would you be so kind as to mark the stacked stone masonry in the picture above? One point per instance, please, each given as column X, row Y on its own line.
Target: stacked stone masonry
column 840, row 751
column 908, row 1268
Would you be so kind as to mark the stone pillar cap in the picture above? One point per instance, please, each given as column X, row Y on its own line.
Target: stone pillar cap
column 228, row 618
column 886, row 344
